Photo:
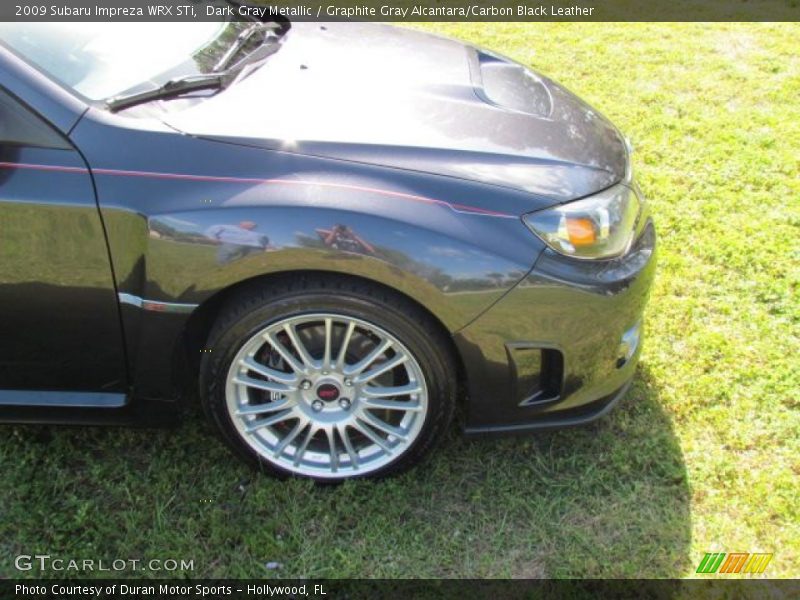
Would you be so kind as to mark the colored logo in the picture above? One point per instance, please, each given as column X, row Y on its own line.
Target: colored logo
column 734, row 562
column 328, row 392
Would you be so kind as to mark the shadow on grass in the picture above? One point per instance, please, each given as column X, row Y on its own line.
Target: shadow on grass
column 607, row 500
column 611, row 498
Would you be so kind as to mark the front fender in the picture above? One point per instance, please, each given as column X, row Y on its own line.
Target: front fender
column 189, row 257
column 186, row 258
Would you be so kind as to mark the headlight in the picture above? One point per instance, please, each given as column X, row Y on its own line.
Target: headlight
column 601, row 226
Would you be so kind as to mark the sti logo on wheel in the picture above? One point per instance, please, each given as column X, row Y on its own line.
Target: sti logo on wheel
column 736, row 562
column 328, row 392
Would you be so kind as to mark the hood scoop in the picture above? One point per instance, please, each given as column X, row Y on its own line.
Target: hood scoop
column 509, row 85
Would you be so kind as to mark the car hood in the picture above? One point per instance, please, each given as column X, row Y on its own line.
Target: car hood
column 399, row 98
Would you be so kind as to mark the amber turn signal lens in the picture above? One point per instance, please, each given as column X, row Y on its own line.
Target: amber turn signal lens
column 581, row 231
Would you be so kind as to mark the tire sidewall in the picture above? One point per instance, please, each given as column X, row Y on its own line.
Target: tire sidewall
column 226, row 341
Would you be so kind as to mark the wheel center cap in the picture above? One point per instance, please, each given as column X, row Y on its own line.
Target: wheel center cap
column 328, row 392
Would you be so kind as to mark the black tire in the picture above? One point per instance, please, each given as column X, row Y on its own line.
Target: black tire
column 255, row 307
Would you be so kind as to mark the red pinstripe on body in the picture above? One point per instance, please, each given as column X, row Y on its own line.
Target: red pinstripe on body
column 460, row 208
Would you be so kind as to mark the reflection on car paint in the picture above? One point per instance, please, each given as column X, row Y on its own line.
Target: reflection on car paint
column 237, row 241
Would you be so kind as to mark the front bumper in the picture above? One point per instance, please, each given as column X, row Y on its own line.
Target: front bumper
column 561, row 347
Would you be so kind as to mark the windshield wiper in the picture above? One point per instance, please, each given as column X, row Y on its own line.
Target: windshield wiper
column 222, row 74
column 172, row 89
column 240, row 42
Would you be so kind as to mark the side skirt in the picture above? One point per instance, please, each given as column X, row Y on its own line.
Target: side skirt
column 83, row 408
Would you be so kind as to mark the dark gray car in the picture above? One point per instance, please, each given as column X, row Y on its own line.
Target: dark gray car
column 331, row 233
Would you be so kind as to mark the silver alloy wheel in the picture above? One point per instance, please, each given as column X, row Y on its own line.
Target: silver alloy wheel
column 326, row 395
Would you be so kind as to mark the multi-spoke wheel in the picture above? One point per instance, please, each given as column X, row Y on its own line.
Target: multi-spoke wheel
column 329, row 385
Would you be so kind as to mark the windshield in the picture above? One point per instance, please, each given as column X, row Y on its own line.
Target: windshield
column 100, row 60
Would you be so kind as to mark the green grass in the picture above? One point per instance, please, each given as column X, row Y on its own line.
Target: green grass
column 702, row 455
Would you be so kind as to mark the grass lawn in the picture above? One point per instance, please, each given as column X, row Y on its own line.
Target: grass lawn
column 702, row 455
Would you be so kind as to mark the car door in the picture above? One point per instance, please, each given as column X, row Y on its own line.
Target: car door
column 59, row 318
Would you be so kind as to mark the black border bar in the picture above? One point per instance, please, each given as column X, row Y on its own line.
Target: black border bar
column 402, row 10
column 344, row 589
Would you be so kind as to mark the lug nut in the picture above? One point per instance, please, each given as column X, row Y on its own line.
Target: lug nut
column 344, row 403
column 306, row 384
column 317, row 405
column 348, row 382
